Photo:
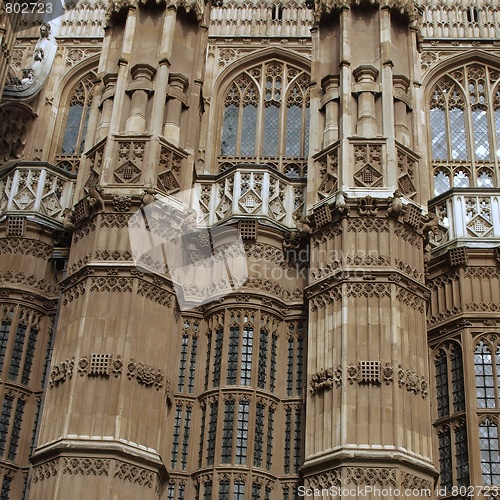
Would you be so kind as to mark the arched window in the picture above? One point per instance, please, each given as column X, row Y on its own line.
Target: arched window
column 465, row 128
column 266, row 115
column 490, row 451
column 487, row 368
column 78, row 116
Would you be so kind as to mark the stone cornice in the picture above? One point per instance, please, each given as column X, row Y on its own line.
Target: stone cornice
column 195, row 6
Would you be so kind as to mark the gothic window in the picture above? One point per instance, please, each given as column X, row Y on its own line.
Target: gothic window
column 207, row 491
column 242, row 432
column 487, row 366
column 185, row 437
column 16, row 429
column 237, row 362
column 176, row 436
column 30, row 353
column 4, row 338
column 490, row 451
column 224, row 489
column 17, row 351
column 465, row 131
column 5, row 492
column 8, row 403
column 266, row 113
column 453, row 454
column 227, row 433
column 212, row 431
column 449, row 380
column 239, row 490
column 189, row 347
column 295, row 358
column 270, row 436
column 217, row 357
column 263, row 341
column 183, row 361
column 259, row 435
column 78, row 116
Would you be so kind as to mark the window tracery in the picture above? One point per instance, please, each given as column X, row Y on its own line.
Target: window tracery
column 77, row 118
column 465, row 128
column 266, row 116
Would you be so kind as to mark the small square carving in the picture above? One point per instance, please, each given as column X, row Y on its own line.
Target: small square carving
column 458, row 256
column 16, row 227
column 322, row 215
column 99, row 364
column 413, row 216
column 369, row 372
column 248, row 229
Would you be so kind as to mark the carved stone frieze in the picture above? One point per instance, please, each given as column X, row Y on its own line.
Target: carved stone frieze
column 482, row 273
column 371, row 476
column 111, row 284
column 20, row 278
column 412, row 381
column 134, row 474
column 368, row 290
column 410, row 481
column 85, row 466
column 411, row 237
column 83, row 230
column 45, row 470
column 411, row 299
column 114, row 220
column 482, row 307
column 122, row 202
column 25, row 246
column 324, row 480
column 155, row 293
column 364, row 224
column 444, row 315
column 118, row 255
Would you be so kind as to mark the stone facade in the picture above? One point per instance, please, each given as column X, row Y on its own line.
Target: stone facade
column 352, row 346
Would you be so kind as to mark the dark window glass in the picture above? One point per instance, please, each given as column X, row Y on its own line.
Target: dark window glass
column 490, row 454
column 212, row 430
column 30, row 353
column 445, row 462
column 17, row 351
column 227, row 435
column 4, row 338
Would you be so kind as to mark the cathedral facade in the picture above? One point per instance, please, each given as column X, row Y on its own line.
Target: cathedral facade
column 250, row 250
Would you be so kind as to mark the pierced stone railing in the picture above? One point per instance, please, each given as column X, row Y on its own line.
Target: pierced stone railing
column 460, row 19
column 467, row 213
column 37, row 189
column 250, row 190
column 287, row 19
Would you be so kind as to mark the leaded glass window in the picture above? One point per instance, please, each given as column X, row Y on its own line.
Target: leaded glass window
column 176, row 436
column 259, row 435
column 219, row 337
column 212, row 430
column 7, row 405
column 266, row 113
column 270, row 436
column 192, row 363
column 485, row 364
column 207, row 490
column 445, row 460
column 242, row 432
column 246, row 355
column 16, row 429
column 227, row 433
column 4, row 338
column 263, row 341
column 297, row 438
column 232, row 361
column 465, row 128
column 490, row 451
column 183, row 361
column 224, row 490
column 185, row 437
column 461, row 454
column 5, row 492
column 256, row 489
column 288, row 436
column 30, row 353
column 17, row 351
column 239, row 490
column 78, row 116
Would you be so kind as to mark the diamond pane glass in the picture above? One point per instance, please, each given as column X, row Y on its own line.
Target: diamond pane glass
column 229, row 131
column 443, row 408
column 445, row 463
column 293, row 130
column 457, row 379
column 461, row 179
column 69, row 145
column 483, row 363
column 490, row 454
column 438, row 130
column 481, row 141
column 485, row 179
column 458, row 136
column 249, row 127
column 246, row 356
column 4, row 337
column 462, row 455
column 242, row 433
column 271, row 131
column 441, row 182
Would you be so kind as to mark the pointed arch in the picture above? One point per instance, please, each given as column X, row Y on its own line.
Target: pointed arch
column 263, row 111
column 464, row 117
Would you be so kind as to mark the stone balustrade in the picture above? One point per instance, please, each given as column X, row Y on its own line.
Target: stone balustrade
column 37, row 189
column 250, row 190
column 467, row 214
